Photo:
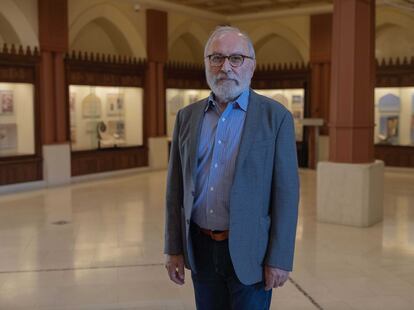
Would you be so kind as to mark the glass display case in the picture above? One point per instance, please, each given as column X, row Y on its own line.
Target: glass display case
column 17, row 133
column 105, row 117
column 179, row 98
column 394, row 116
column 293, row 100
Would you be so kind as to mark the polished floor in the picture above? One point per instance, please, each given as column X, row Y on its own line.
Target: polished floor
column 98, row 245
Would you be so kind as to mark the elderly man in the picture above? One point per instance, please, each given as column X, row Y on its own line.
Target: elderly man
column 232, row 187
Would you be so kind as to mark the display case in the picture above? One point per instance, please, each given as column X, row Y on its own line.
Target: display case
column 17, row 128
column 179, row 98
column 394, row 115
column 105, row 117
column 293, row 100
column 394, row 112
column 20, row 145
column 106, row 113
column 285, row 83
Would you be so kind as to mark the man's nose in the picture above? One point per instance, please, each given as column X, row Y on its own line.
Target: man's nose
column 226, row 67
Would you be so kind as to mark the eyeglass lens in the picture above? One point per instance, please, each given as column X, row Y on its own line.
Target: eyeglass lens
column 218, row 60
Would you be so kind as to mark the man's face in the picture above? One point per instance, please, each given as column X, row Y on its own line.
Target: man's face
column 228, row 82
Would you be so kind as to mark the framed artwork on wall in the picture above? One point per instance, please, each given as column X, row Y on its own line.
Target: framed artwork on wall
column 91, row 106
column 117, row 129
column 6, row 102
column 72, row 109
column 114, row 104
column 389, row 107
column 8, row 136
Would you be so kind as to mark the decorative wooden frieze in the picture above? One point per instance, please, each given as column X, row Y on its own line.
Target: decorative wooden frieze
column 284, row 75
column 185, row 75
column 395, row 72
column 281, row 76
column 18, row 64
column 85, row 68
column 11, row 50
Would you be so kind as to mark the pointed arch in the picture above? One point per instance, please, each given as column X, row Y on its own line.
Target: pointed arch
column 393, row 17
column 16, row 24
column 116, row 25
column 186, row 48
column 190, row 28
column 393, row 29
column 261, row 33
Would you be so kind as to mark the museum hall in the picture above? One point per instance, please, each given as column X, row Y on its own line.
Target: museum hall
column 90, row 91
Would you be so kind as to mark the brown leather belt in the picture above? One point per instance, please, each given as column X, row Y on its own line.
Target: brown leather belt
column 216, row 235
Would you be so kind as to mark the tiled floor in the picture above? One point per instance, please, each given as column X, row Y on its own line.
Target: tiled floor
column 109, row 254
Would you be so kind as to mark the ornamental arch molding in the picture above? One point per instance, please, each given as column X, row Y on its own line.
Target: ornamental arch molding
column 261, row 34
column 14, row 26
column 188, row 29
column 115, row 24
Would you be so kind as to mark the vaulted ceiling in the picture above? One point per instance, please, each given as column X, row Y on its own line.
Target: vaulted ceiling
column 232, row 7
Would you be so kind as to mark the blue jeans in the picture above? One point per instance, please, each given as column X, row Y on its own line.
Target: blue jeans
column 216, row 285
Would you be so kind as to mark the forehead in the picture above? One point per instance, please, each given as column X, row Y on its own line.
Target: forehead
column 228, row 43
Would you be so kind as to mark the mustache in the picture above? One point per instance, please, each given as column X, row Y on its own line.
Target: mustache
column 226, row 77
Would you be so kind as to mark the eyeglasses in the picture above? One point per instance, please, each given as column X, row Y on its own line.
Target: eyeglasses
column 235, row 60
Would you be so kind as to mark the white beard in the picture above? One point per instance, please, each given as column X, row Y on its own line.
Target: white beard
column 226, row 90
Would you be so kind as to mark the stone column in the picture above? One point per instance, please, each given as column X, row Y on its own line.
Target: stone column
column 53, row 38
column 350, row 185
column 320, row 61
column 157, row 56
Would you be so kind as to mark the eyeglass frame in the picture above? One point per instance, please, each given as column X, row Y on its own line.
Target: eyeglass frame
column 228, row 57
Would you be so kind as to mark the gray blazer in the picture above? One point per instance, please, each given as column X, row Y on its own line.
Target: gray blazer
column 264, row 196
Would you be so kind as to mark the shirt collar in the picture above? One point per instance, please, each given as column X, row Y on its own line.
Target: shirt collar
column 242, row 101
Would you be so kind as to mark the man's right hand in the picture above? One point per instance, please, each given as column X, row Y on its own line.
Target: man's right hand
column 175, row 268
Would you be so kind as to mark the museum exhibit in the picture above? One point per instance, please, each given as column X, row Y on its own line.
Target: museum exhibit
column 90, row 92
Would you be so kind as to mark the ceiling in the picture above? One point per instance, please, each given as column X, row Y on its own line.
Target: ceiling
column 233, row 7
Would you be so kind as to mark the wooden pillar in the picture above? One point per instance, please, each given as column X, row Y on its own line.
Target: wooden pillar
column 53, row 37
column 157, row 55
column 352, row 91
column 320, row 60
column 350, row 186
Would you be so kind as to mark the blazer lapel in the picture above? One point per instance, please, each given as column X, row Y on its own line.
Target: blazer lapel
column 195, row 128
column 250, row 124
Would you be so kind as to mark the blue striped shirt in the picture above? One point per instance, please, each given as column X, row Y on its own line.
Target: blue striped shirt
column 216, row 158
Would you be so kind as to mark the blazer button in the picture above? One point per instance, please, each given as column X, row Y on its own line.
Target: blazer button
column 188, row 222
column 193, row 193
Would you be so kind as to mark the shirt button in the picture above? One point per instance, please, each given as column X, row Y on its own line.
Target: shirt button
column 219, row 141
column 211, row 211
column 223, row 119
column 215, row 165
column 212, row 188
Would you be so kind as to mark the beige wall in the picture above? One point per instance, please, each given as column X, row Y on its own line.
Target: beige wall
column 279, row 39
column 394, row 33
column 113, row 26
column 187, row 36
column 18, row 22
column 107, row 27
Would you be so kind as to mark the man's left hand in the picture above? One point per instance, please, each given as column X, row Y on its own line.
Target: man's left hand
column 274, row 277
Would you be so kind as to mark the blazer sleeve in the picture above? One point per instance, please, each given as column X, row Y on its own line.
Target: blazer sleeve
column 173, row 243
column 284, row 198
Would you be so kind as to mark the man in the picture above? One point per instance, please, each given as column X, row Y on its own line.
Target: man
column 232, row 187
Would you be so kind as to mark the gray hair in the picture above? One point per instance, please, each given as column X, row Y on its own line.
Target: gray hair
column 222, row 29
